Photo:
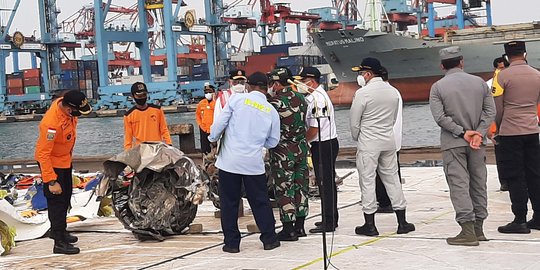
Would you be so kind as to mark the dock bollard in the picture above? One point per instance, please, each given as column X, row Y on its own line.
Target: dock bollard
column 186, row 137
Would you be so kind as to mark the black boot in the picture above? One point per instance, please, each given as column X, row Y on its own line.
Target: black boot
column 70, row 238
column 62, row 247
column 368, row 228
column 404, row 226
column 299, row 226
column 288, row 233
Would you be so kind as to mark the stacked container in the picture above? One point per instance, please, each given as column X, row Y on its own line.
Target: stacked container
column 15, row 83
column 80, row 75
column 32, row 81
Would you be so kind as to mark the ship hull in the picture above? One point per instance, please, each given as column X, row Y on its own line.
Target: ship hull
column 413, row 64
column 411, row 89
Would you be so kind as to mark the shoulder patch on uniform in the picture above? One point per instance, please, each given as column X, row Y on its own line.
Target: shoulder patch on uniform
column 51, row 134
column 154, row 106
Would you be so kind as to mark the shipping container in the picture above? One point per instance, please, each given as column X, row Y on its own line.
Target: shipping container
column 261, row 63
column 184, row 78
column 201, row 77
column 15, row 83
column 295, row 70
column 90, row 65
column 15, row 90
column 158, row 70
column 15, row 75
column 69, row 75
column 32, row 73
column 88, row 85
column 299, row 60
column 88, row 74
column 324, row 69
column 310, row 50
column 69, row 65
column 200, row 69
column 32, row 81
column 281, row 48
column 82, row 84
column 32, row 90
column 89, row 94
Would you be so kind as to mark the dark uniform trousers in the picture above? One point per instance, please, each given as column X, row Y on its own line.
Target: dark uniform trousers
column 328, row 155
column 205, row 143
column 58, row 205
column 230, row 194
column 380, row 190
column 498, row 156
column 520, row 166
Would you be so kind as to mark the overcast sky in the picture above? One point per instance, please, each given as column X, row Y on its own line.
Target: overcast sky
column 27, row 19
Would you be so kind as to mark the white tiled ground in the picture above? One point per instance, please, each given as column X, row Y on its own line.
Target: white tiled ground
column 105, row 245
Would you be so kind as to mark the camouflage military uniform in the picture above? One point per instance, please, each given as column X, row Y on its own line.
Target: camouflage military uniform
column 288, row 160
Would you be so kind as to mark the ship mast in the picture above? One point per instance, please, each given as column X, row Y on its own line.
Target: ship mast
column 373, row 11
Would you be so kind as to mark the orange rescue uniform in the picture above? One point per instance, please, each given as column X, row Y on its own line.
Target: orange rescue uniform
column 205, row 114
column 54, row 148
column 148, row 125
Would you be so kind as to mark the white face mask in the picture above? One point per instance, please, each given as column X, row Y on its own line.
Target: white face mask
column 239, row 88
column 271, row 91
column 208, row 96
column 361, row 80
column 303, row 88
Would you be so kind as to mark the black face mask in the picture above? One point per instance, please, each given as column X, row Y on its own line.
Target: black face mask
column 140, row 101
column 75, row 113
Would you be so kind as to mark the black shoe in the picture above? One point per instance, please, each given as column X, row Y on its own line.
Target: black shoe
column 514, row 228
column 533, row 224
column 319, row 223
column 272, row 245
column 287, row 236
column 366, row 229
column 320, row 229
column 504, row 188
column 405, row 228
column 385, row 209
column 65, row 248
column 71, row 238
column 230, row 249
column 301, row 233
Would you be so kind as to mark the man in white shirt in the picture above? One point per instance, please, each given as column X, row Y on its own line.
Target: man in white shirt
column 322, row 134
column 247, row 124
column 372, row 117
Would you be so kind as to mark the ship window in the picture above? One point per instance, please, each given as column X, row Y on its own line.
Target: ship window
column 351, row 33
column 342, row 34
column 320, row 35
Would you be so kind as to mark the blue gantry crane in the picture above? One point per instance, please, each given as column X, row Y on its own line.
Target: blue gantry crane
column 47, row 49
column 170, row 91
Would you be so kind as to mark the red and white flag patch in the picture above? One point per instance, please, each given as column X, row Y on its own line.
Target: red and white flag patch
column 51, row 134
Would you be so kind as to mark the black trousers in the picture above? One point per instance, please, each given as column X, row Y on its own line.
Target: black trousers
column 327, row 184
column 58, row 205
column 380, row 190
column 205, row 143
column 520, row 166
column 498, row 156
column 230, row 194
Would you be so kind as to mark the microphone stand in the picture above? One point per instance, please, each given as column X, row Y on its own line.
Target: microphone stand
column 321, row 192
column 321, row 182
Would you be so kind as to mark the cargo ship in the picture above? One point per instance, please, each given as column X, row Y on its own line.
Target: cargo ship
column 413, row 63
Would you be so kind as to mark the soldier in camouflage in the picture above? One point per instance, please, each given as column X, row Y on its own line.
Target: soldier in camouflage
column 288, row 159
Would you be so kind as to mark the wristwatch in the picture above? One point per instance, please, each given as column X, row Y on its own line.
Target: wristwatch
column 52, row 183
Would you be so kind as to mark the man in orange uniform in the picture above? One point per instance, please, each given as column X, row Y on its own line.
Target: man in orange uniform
column 54, row 149
column 205, row 117
column 144, row 122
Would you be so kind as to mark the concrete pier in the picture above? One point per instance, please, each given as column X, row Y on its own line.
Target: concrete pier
column 106, row 245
